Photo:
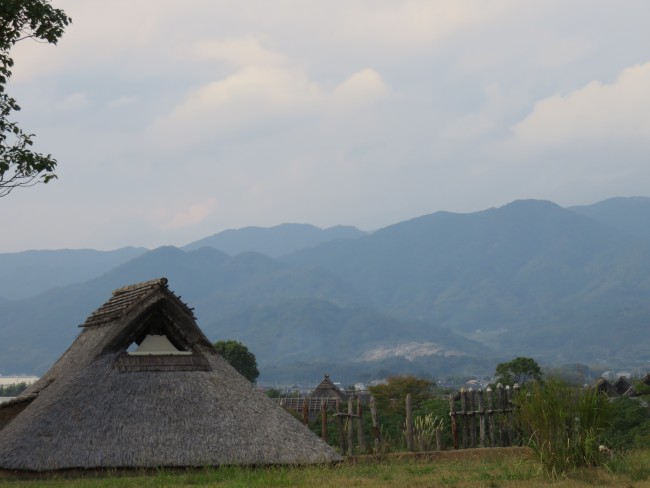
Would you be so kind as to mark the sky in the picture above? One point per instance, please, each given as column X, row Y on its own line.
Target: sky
column 172, row 121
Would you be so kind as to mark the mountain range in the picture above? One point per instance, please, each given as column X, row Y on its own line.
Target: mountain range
column 437, row 294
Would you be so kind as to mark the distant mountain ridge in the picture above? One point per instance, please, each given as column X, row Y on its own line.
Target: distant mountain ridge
column 630, row 215
column 435, row 292
column 29, row 273
column 274, row 241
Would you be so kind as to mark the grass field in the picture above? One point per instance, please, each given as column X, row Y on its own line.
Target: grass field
column 471, row 468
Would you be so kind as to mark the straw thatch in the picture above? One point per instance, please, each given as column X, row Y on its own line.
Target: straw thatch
column 327, row 389
column 99, row 407
column 604, row 386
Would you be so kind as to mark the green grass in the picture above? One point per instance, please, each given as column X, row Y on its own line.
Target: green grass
column 458, row 469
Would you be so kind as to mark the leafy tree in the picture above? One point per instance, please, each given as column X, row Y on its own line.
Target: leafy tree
column 13, row 390
column 239, row 358
column 520, row 370
column 23, row 19
column 392, row 393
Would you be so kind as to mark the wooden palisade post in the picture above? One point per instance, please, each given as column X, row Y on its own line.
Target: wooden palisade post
column 305, row 411
column 463, row 413
column 481, row 417
column 409, row 422
column 471, row 393
column 339, row 420
column 501, row 402
column 375, row 424
column 350, row 425
column 360, row 433
column 323, row 419
column 452, row 420
column 490, row 413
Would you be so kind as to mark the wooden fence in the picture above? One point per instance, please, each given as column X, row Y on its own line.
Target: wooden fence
column 484, row 419
column 350, row 425
column 478, row 418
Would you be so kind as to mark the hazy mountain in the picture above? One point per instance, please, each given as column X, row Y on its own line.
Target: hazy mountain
column 38, row 329
column 316, row 330
column 274, row 241
column 29, row 273
column 630, row 215
column 528, row 269
column 529, row 278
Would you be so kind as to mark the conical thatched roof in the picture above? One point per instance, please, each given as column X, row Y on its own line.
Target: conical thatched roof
column 101, row 407
column 328, row 389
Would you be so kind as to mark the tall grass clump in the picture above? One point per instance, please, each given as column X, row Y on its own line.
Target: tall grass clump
column 565, row 424
column 425, row 430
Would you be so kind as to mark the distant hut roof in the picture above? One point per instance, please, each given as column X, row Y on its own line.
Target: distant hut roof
column 606, row 387
column 622, row 384
column 328, row 389
column 101, row 407
column 646, row 379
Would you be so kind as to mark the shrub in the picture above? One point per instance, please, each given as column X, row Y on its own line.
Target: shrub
column 565, row 424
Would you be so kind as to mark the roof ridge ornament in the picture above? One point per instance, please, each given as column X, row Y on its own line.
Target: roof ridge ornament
column 145, row 284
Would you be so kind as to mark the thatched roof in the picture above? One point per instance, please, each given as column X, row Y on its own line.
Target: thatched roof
column 328, row 389
column 101, row 407
column 604, row 386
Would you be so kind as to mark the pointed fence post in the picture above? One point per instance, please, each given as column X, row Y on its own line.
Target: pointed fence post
column 472, row 417
column 516, row 432
column 452, row 417
column 463, row 413
column 508, row 416
column 339, row 420
column 350, row 426
column 323, row 419
column 305, row 410
column 501, row 402
column 360, row 433
column 490, row 413
column 481, row 417
column 409, row 422
column 375, row 424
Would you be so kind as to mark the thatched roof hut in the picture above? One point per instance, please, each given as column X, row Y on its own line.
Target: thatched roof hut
column 604, row 386
column 623, row 386
column 141, row 386
column 327, row 389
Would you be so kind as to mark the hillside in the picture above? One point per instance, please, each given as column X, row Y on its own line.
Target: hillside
column 529, row 275
column 436, row 292
column 274, row 241
column 630, row 215
column 29, row 273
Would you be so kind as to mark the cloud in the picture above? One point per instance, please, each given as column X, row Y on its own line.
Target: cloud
column 596, row 114
column 265, row 90
column 122, row 101
column 192, row 215
column 362, row 88
column 76, row 101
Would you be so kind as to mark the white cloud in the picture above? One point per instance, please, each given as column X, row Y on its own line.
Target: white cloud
column 265, row 89
column 193, row 214
column 595, row 114
column 76, row 101
column 239, row 52
column 362, row 88
column 123, row 101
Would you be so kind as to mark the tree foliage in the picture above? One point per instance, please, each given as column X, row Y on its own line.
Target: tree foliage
column 20, row 166
column 520, row 370
column 13, row 390
column 392, row 393
column 239, row 357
